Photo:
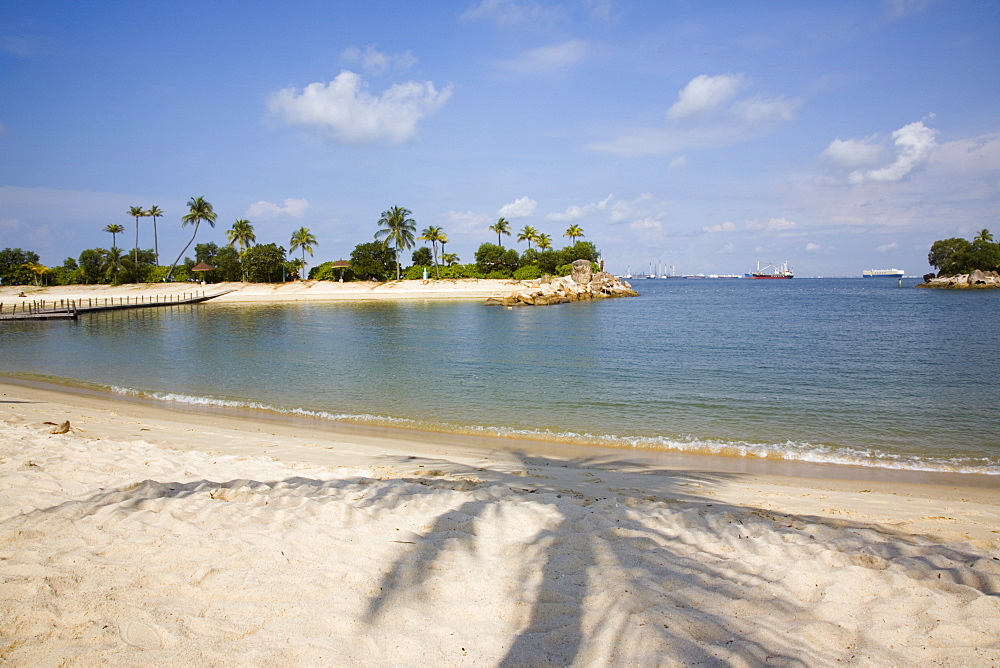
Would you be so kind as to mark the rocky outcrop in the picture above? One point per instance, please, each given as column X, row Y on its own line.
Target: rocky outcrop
column 581, row 286
column 977, row 279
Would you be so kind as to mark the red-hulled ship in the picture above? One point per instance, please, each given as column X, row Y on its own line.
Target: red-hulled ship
column 771, row 271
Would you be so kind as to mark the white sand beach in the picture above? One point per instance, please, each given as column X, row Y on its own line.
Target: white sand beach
column 268, row 292
column 146, row 536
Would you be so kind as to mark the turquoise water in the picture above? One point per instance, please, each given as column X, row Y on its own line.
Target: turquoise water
column 836, row 370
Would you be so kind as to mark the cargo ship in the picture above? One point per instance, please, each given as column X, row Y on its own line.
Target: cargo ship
column 771, row 271
column 882, row 273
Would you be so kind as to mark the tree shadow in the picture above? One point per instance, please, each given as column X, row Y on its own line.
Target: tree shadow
column 641, row 572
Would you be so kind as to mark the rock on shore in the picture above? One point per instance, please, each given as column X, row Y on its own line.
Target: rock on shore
column 977, row 279
column 582, row 285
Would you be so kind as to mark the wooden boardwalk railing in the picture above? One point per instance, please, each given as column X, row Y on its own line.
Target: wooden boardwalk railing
column 71, row 308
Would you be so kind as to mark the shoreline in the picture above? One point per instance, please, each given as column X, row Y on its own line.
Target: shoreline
column 356, row 444
column 309, row 290
column 146, row 534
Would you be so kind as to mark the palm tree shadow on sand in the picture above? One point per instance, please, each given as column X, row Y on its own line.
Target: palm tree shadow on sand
column 651, row 571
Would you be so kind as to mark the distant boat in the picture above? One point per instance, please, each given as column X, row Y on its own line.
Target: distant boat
column 771, row 271
column 882, row 273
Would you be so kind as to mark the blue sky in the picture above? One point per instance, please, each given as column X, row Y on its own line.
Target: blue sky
column 838, row 136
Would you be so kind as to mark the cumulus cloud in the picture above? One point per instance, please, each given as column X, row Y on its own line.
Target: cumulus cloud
column 522, row 207
column 680, row 162
column 292, row 207
column 709, row 113
column 852, row 154
column 344, row 110
column 773, row 225
column 885, row 248
column 375, row 62
column 721, row 227
column 705, row 93
column 576, row 212
column 813, row 248
column 547, row 59
column 872, row 160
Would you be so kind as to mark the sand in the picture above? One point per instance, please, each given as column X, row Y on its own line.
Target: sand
column 268, row 292
column 146, row 536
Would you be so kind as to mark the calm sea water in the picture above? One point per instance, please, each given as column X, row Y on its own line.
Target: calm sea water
column 839, row 370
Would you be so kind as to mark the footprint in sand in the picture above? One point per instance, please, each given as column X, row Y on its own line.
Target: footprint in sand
column 142, row 635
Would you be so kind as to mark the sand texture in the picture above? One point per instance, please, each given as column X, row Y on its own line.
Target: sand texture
column 146, row 537
column 269, row 292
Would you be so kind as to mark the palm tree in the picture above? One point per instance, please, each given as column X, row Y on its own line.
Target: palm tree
column 304, row 239
column 154, row 213
column 450, row 258
column 138, row 212
column 573, row 232
column 115, row 229
column 398, row 230
column 436, row 236
column 544, row 241
column 984, row 237
column 198, row 210
column 241, row 234
column 501, row 227
column 112, row 263
column 528, row 234
column 38, row 270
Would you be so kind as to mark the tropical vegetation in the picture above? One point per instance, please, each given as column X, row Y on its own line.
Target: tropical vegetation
column 955, row 256
column 380, row 260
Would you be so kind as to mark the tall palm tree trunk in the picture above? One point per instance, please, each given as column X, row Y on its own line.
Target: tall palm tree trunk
column 170, row 274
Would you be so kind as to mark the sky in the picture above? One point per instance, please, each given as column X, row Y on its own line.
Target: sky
column 699, row 136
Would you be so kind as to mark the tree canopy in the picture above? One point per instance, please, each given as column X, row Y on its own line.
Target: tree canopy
column 960, row 256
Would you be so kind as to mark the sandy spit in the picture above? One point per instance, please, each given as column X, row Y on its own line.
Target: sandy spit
column 269, row 292
column 144, row 536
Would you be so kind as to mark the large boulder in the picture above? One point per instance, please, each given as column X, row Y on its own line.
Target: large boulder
column 582, row 272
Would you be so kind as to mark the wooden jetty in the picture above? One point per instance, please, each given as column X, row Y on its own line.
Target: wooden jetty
column 72, row 308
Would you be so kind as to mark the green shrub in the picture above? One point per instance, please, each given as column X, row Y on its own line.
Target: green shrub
column 527, row 273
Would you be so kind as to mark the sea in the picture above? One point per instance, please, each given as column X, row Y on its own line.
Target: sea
column 861, row 372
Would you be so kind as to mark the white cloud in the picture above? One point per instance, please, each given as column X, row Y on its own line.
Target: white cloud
column 721, row 227
column 813, row 248
column 854, row 154
column 547, row 59
column 292, row 207
column 728, row 248
column 375, row 62
column 885, row 248
column 680, row 162
column 871, row 160
column 914, row 144
column 522, row 207
column 345, row 111
column 622, row 209
column 575, row 212
column 773, row 225
column 707, row 114
column 705, row 93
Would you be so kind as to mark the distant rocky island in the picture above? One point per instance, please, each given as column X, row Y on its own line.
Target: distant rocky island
column 964, row 264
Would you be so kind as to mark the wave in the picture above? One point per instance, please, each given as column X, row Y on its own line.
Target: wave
column 791, row 451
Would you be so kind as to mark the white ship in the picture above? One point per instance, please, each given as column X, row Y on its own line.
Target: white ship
column 882, row 273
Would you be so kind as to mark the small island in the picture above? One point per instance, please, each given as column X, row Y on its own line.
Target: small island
column 964, row 264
